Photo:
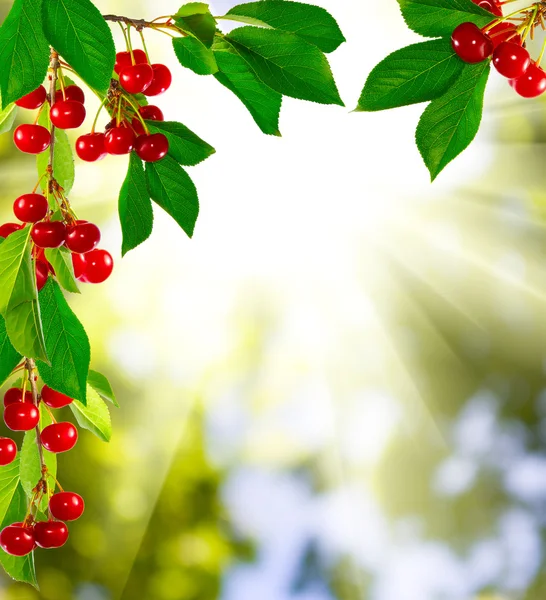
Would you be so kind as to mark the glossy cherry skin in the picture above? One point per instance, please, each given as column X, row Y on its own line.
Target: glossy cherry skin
column 489, row 5
column 33, row 100
column 532, row 83
column 32, row 139
column 123, row 59
column 161, row 81
column 66, row 506
column 21, row 416
column 148, row 113
column 504, row 32
column 97, row 266
column 14, row 395
column 49, row 234
column 30, row 208
column 90, row 147
column 71, row 92
column 8, row 228
column 8, row 451
column 59, row 437
column 471, row 44
column 17, row 540
column 152, row 148
column 78, row 262
column 67, row 114
column 54, row 399
column 511, row 60
column 50, row 534
column 42, row 273
column 119, row 140
column 136, row 78
column 82, row 238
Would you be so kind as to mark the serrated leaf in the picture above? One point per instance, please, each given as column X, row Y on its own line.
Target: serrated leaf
column 438, row 18
column 7, row 118
column 196, row 19
column 67, row 345
column 95, row 416
column 76, row 29
column 135, row 207
column 16, row 274
column 287, row 64
column 172, row 189
column 194, row 55
column 312, row 23
column 24, row 327
column 9, row 357
column 102, row 386
column 24, row 51
column 451, row 122
column 185, row 147
column 9, row 480
column 63, row 158
column 414, row 74
column 236, row 74
column 61, row 261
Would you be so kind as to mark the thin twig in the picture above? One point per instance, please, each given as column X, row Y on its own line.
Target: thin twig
column 53, row 66
column 31, row 367
column 138, row 24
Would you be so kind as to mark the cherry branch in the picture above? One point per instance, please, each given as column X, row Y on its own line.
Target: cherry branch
column 31, row 367
column 53, row 66
column 138, row 24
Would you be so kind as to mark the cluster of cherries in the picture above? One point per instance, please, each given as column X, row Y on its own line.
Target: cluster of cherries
column 502, row 41
column 21, row 414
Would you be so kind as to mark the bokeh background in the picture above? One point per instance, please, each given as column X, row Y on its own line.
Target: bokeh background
column 336, row 390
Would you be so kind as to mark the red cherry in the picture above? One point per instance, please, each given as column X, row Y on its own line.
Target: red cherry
column 90, row 147
column 49, row 234
column 21, row 416
column 8, row 451
column 504, row 32
column 50, row 534
column 136, row 78
column 532, row 83
column 97, row 266
column 66, row 506
column 470, row 43
column 161, row 82
column 67, row 114
column 511, row 60
column 78, row 262
column 71, row 92
column 33, row 100
column 152, row 148
column 14, row 395
column 54, row 399
column 30, row 208
column 42, row 273
column 151, row 113
column 82, row 238
column 119, row 140
column 59, row 437
column 123, row 59
column 489, row 5
column 8, row 228
column 17, row 540
column 32, row 139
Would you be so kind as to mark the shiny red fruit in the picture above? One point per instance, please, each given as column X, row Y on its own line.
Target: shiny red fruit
column 21, row 416
column 90, row 147
column 119, row 140
column 14, row 395
column 71, row 92
column 471, row 44
column 489, row 5
column 32, row 139
column 136, row 78
column 511, row 60
column 66, row 506
column 82, row 238
column 8, row 451
column 97, row 266
column 151, row 113
column 54, row 399
column 59, row 437
column 30, row 208
column 78, row 262
column 17, row 540
column 123, row 59
column 152, row 148
column 33, row 100
column 50, row 534
column 8, row 228
column 532, row 83
column 42, row 273
column 161, row 81
column 504, row 32
column 49, row 234
column 67, row 114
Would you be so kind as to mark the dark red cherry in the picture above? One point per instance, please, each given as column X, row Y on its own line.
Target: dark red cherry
column 489, row 5
column 30, row 208
column 14, row 395
column 136, row 78
column 123, row 59
column 532, row 83
column 17, row 540
column 152, row 148
column 21, row 416
column 161, row 81
column 50, row 534
column 90, row 147
column 67, row 114
column 470, row 43
column 8, row 451
column 32, row 139
column 97, row 266
column 71, row 92
column 119, row 140
column 82, row 238
column 78, row 262
column 49, row 234
column 151, row 113
column 54, row 399
column 66, row 506
column 511, row 60
column 59, row 437
column 8, row 228
column 42, row 273
column 504, row 32
column 33, row 100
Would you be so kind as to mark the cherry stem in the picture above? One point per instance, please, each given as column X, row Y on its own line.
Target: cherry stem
column 102, row 105
column 130, row 45
column 144, row 45
column 137, row 113
column 541, row 55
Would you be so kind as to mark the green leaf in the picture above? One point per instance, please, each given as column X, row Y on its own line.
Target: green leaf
column 171, row 187
column 263, row 103
column 61, row 261
column 451, row 122
column 16, row 274
column 135, row 208
column 192, row 8
column 194, row 55
column 95, row 416
column 438, row 18
column 102, row 386
column 9, row 480
column 7, row 118
column 63, row 158
column 414, row 74
column 185, row 147
column 9, row 357
column 67, row 345
column 312, row 23
column 24, row 327
column 76, row 29
column 287, row 63
column 196, row 19
column 24, row 51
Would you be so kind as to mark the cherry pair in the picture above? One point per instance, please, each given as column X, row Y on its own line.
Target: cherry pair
column 137, row 75
column 68, row 110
